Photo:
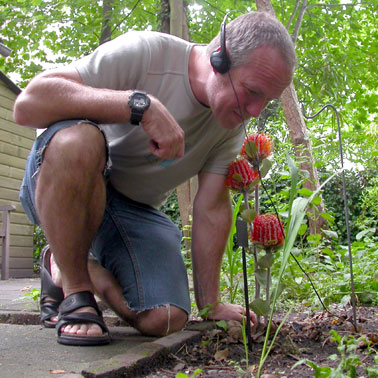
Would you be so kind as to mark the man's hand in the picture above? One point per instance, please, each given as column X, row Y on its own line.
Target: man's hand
column 227, row 311
column 167, row 137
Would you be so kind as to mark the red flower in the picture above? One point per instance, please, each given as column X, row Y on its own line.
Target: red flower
column 267, row 230
column 257, row 147
column 240, row 175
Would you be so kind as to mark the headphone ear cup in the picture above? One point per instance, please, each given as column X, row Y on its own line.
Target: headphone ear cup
column 220, row 61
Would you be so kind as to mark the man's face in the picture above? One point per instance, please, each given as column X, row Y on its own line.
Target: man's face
column 262, row 79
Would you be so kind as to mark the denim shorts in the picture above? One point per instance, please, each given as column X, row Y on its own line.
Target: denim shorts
column 138, row 244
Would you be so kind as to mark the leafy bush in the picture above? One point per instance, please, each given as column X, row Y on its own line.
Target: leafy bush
column 39, row 244
column 361, row 188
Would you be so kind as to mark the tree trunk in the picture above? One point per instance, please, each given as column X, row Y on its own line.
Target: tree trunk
column 106, row 28
column 299, row 138
column 165, row 27
column 186, row 191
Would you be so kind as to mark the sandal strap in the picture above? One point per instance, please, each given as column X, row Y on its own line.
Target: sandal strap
column 78, row 300
column 48, row 287
column 48, row 310
column 74, row 302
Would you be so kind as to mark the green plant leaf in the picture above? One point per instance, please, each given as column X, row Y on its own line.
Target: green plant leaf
column 305, row 192
column 248, row 215
column 328, row 217
column 302, row 230
column 222, row 324
column 181, row 375
column 265, row 167
column 251, row 149
column 260, row 307
column 266, row 261
column 261, row 276
column 317, row 200
column 331, row 234
column 363, row 233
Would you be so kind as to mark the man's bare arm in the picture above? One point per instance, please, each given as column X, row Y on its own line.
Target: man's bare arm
column 61, row 94
column 211, row 227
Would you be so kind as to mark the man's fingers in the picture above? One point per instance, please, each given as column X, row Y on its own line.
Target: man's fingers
column 167, row 137
column 171, row 152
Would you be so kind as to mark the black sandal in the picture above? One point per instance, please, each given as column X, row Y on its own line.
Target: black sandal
column 66, row 316
column 49, row 307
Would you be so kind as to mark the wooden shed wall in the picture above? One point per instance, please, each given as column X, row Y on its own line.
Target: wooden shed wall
column 15, row 144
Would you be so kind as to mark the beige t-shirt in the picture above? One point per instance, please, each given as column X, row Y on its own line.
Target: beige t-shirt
column 158, row 64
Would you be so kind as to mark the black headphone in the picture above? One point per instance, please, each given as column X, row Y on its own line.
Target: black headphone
column 219, row 60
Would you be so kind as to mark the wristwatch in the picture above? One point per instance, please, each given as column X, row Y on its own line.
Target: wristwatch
column 138, row 103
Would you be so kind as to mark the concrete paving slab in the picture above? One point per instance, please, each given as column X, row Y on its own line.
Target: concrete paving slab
column 32, row 351
column 12, row 294
column 29, row 350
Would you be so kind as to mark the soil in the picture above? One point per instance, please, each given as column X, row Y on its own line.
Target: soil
column 221, row 352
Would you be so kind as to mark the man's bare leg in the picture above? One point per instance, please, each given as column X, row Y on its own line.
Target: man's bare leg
column 159, row 321
column 70, row 198
column 156, row 322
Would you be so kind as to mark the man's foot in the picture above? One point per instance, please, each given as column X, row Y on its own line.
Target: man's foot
column 78, row 324
column 79, row 329
column 83, row 329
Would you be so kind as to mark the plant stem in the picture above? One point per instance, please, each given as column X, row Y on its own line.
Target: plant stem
column 257, row 285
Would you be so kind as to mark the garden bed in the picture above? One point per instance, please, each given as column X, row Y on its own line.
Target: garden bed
column 221, row 352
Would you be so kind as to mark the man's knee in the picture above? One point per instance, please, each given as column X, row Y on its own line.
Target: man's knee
column 80, row 145
column 161, row 321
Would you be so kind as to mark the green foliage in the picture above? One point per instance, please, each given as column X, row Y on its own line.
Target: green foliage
column 51, row 33
column 184, row 375
column 39, row 242
column 362, row 200
column 171, row 208
column 332, row 261
column 296, row 211
column 348, row 359
column 35, row 295
column 369, row 201
column 232, row 267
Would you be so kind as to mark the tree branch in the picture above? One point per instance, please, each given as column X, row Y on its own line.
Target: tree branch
column 299, row 21
column 293, row 14
column 337, row 5
column 127, row 16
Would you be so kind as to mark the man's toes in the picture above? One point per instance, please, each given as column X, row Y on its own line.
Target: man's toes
column 94, row 330
column 82, row 329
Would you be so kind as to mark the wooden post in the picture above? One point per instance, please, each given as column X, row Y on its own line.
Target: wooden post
column 4, row 234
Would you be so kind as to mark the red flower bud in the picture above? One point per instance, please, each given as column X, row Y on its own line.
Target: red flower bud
column 267, row 230
column 240, row 175
column 257, row 147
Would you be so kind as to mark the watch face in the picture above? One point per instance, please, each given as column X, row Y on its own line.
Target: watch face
column 139, row 101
